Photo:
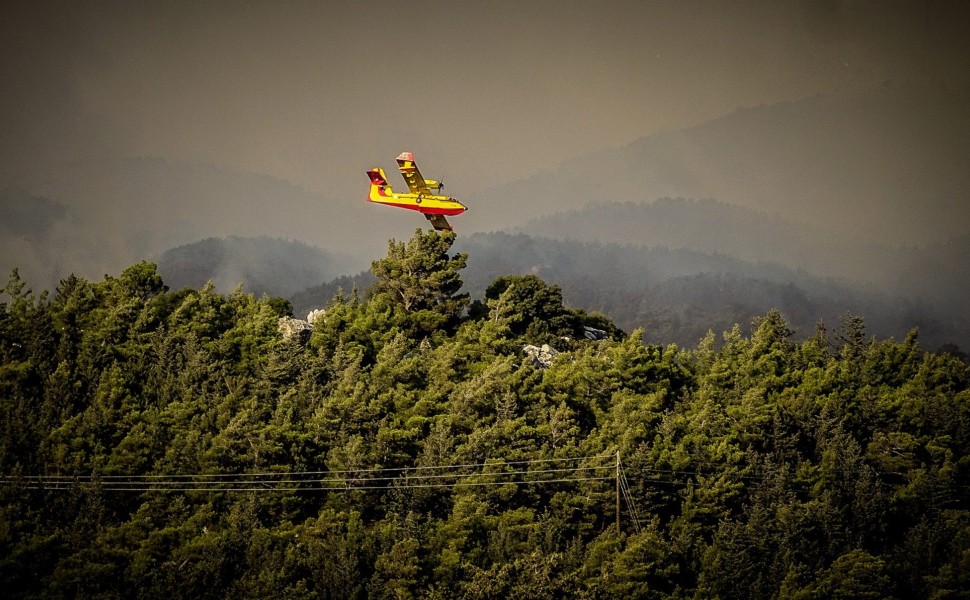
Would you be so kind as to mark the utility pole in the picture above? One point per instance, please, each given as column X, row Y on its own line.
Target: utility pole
column 617, row 492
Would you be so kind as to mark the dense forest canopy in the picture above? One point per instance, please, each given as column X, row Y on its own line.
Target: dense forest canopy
column 173, row 442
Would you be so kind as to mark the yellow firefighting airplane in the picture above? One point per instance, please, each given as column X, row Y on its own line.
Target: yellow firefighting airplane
column 433, row 206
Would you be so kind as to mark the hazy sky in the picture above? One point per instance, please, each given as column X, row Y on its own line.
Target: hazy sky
column 483, row 92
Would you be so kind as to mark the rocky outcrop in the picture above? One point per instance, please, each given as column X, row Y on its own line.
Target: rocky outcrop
column 541, row 356
column 316, row 315
column 295, row 329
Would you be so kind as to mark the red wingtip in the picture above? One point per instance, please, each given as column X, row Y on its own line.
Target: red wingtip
column 408, row 156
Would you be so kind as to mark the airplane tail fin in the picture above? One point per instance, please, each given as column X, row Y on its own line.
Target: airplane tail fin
column 380, row 189
column 377, row 176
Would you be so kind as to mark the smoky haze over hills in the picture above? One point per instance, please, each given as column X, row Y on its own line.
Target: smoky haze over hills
column 880, row 170
column 313, row 94
column 887, row 165
column 678, row 295
column 937, row 272
column 99, row 216
column 261, row 265
column 96, row 217
column 128, row 130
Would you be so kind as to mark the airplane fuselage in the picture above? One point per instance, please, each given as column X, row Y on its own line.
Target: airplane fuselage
column 420, row 198
column 381, row 192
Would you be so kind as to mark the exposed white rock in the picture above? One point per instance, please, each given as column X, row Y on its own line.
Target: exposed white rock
column 295, row 329
column 541, row 356
column 314, row 315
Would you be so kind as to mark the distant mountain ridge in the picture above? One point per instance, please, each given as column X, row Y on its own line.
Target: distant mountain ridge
column 677, row 295
column 706, row 225
column 938, row 272
column 887, row 165
column 261, row 265
column 106, row 214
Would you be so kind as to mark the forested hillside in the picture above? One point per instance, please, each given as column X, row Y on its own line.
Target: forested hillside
column 173, row 443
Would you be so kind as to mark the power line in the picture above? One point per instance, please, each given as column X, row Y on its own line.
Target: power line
column 328, row 472
column 362, row 479
column 625, row 486
column 183, row 478
column 116, row 482
column 228, row 486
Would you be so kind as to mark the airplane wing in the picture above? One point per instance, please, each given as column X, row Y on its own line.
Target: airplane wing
column 413, row 177
column 439, row 222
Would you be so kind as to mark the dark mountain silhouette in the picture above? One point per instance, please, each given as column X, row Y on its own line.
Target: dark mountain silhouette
column 262, row 265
